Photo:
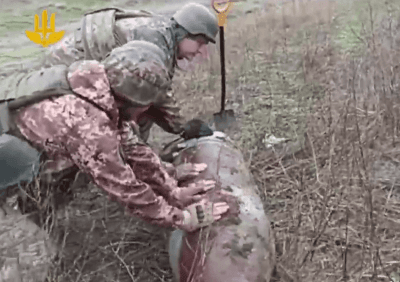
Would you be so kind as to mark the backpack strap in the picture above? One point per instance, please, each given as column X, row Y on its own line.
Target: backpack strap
column 4, row 118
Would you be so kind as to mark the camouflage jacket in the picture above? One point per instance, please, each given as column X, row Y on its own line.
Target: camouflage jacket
column 103, row 30
column 85, row 130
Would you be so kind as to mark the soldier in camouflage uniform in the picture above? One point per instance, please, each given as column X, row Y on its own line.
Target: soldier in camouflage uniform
column 92, row 123
column 184, row 36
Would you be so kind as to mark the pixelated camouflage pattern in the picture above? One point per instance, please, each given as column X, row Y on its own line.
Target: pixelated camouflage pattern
column 150, row 170
column 157, row 30
column 144, row 82
column 136, row 72
column 85, row 130
column 25, row 249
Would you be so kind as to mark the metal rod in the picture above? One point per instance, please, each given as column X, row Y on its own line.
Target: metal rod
column 222, row 47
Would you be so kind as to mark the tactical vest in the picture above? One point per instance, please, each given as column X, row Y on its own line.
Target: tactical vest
column 96, row 45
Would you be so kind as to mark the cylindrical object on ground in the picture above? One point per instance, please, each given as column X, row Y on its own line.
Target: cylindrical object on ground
column 239, row 247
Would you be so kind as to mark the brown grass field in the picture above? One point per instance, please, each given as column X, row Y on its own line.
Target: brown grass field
column 325, row 76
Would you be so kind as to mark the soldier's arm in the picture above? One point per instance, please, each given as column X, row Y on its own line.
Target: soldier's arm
column 97, row 151
column 145, row 162
column 167, row 115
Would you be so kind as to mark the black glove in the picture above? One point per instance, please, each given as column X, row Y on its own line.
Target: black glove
column 196, row 128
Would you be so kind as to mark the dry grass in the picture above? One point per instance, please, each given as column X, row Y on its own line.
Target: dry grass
column 98, row 242
column 332, row 220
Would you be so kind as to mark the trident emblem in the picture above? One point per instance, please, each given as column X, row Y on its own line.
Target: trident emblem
column 45, row 35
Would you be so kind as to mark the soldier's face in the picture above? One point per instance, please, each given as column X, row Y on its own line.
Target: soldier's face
column 188, row 49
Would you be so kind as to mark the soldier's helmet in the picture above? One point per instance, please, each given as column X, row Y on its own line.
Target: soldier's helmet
column 137, row 72
column 197, row 20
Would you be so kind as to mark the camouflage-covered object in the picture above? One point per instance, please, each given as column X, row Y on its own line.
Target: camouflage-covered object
column 240, row 246
column 25, row 249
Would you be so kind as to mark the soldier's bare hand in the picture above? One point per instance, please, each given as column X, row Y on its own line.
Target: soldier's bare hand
column 189, row 170
column 184, row 196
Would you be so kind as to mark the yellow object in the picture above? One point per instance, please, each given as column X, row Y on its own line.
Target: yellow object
column 39, row 35
column 222, row 11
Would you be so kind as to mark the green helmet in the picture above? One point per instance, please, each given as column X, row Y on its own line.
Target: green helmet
column 197, row 19
column 137, row 73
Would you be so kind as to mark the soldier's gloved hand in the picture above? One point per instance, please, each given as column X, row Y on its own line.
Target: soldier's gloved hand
column 196, row 128
column 202, row 214
column 183, row 196
column 189, row 170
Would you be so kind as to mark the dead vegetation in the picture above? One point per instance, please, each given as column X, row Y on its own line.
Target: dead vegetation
column 334, row 205
column 333, row 220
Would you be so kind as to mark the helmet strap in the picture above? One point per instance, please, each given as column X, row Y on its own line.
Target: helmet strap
column 179, row 32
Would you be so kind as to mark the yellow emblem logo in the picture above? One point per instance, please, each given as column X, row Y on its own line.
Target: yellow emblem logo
column 45, row 35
